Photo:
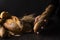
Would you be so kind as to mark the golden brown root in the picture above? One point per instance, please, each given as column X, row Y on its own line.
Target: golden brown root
column 2, row 31
column 43, row 16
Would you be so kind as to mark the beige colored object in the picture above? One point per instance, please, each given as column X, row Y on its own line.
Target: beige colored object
column 13, row 25
column 28, row 18
column 43, row 16
column 3, row 15
column 2, row 31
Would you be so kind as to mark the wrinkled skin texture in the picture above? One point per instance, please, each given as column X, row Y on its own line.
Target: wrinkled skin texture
column 16, row 25
column 13, row 25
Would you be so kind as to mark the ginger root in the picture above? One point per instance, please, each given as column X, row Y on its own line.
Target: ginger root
column 43, row 16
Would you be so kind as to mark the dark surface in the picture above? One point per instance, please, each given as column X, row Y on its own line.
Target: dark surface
column 35, row 37
column 21, row 7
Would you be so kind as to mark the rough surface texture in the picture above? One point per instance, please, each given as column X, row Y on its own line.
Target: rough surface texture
column 33, row 6
column 48, row 34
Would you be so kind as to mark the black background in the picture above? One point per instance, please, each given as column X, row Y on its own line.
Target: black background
column 22, row 7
